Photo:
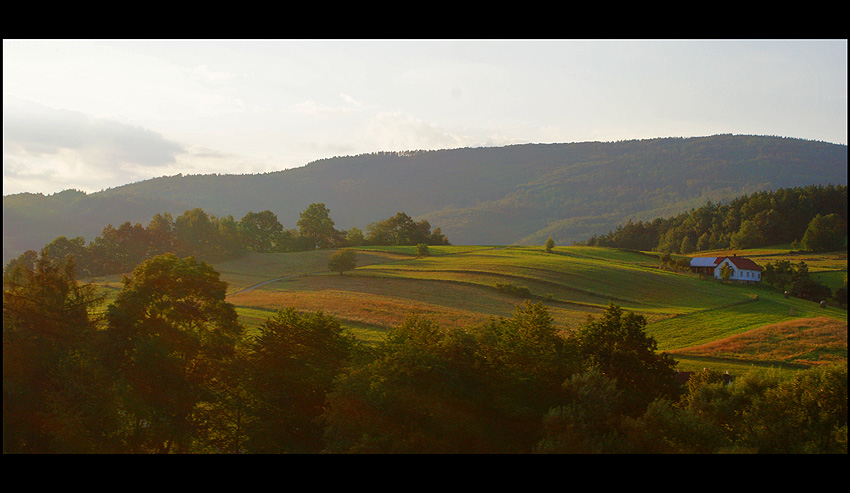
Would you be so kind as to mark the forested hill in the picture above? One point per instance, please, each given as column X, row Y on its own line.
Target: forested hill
column 519, row 194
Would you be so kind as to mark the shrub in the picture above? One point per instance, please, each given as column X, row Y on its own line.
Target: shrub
column 518, row 291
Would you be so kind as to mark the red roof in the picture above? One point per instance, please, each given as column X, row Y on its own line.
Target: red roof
column 741, row 263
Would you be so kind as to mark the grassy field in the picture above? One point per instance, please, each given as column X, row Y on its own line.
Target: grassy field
column 702, row 323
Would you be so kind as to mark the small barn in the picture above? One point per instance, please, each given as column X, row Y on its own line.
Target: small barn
column 743, row 269
column 704, row 265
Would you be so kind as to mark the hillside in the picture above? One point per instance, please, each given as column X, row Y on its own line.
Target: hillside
column 700, row 321
column 508, row 195
column 422, row 386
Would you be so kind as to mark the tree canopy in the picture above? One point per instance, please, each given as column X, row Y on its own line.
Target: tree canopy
column 317, row 226
column 171, row 335
column 342, row 260
column 825, row 233
column 755, row 220
column 212, row 239
column 54, row 396
column 401, row 229
column 170, row 370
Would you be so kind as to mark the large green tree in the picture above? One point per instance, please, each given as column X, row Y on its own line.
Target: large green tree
column 588, row 421
column 171, row 337
column 825, row 233
column 60, row 248
column 421, row 390
column 617, row 345
column 315, row 224
column 197, row 234
column 56, row 396
column 425, row 389
column 261, row 231
column 292, row 365
column 161, row 234
column 531, row 358
column 401, row 229
column 118, row 250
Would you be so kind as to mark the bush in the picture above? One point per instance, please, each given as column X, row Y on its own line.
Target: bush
column 342, row 260
column 518, row 291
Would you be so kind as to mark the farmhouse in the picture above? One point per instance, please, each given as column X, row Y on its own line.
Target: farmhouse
column 743, row 269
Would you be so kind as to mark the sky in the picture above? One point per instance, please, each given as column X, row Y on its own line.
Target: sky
column 96, row 114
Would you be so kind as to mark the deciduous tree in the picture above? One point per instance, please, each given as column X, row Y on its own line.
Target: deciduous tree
column 342, row 260
column 292, row 365
column 56, row 396
column 616, row 343
column 421, row 390
column 261, row 231
column 315, row 224
column 171, row 335
column 825, row 233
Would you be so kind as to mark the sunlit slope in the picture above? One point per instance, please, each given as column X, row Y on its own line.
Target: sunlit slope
column 578, row 276
column 256, row 268
column 799, row 341
column 765, row 308
column 458, row 286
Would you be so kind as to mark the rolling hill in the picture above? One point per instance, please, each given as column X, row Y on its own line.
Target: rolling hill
column 701, row 322
column 514, row 195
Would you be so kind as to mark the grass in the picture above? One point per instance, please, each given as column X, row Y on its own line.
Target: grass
column 802, row 341
column 715, row 324
column 703, row 323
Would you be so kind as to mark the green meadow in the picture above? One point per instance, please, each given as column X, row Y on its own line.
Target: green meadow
column 457, row 286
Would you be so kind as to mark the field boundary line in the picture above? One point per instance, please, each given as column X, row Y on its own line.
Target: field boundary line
column 284, row 278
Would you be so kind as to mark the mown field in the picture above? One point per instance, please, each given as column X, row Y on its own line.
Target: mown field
column 703, row 323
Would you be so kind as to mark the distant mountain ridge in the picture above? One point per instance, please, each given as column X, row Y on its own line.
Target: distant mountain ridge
column 519, row 194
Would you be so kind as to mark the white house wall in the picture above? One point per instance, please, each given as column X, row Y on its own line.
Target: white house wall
column 737, row 274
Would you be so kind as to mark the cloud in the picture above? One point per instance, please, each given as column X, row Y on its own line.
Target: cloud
column 37, row 129
column 33, row 129
column 202, row 72
column 316, row 110
column 41, row 143
column 398, row 131
column 350, row 100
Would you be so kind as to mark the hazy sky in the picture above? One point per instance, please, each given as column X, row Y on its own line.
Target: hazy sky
column 94, row 114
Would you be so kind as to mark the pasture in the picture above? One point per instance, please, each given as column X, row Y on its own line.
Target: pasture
column 696, row 320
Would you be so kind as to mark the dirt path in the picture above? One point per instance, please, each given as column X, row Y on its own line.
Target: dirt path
column 258, row 285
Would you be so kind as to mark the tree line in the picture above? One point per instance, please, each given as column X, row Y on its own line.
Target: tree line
column 812, row 218
column 213, row 239
column 167, row 368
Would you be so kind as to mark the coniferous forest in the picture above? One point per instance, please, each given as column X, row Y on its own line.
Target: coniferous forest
column 814, row 218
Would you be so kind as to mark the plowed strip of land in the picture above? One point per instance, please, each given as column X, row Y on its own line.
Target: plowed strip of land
column 807, row 341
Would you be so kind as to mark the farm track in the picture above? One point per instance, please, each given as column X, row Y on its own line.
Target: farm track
column 261, row 284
